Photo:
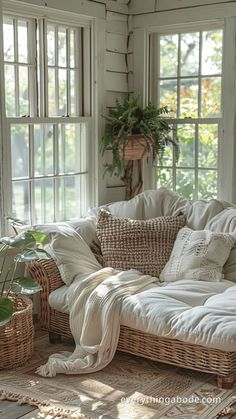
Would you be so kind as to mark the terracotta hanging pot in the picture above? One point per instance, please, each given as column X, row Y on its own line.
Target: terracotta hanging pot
column 136, row 147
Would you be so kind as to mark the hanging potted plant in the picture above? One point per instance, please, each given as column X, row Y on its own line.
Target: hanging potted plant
column 133, row 133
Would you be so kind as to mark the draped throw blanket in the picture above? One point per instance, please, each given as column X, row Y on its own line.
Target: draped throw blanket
column 95, row 320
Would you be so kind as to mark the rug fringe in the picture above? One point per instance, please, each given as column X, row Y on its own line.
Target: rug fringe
column 229, row 410
column 53, row 411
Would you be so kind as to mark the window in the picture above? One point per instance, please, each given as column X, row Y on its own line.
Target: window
column 189, row 80
column 46, row 132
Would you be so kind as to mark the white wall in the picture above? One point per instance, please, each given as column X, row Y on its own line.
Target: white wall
column 148, row 6
column 118, row 78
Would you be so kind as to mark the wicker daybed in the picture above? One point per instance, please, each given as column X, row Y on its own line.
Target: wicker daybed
column 170, row 351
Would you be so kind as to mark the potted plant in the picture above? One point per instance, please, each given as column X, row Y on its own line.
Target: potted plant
column 132, row 133
column 27, row 246
column 16, row 323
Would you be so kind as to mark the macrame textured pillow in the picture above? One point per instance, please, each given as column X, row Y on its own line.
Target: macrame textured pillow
column 198, row 255
column 144, row 245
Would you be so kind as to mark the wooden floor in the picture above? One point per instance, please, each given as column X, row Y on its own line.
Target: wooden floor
column 12, row 410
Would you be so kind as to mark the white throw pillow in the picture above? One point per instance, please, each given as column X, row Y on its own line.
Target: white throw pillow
column 71, row 253
column 198, row 255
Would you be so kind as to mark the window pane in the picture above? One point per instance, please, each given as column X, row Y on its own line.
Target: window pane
column 22, row 41
column 185, row 183
column 207, row 180
column 212, row 52
column 38, row 199
column 72, row 148
column 168, row 55
column 186, row 137
column 43, row 150
column 72, row 48
column 8, row 38
column 189, row 98
column 189, row 54
column 44, row 200
column 62, row 92
column 62, row 47
column 208, row 145
column 211, row 97
column 72, row 196
column 20, row 200
column 51, row 92
column 23, row 90
column 72, row 93
column 10, row 90
column 51, row 44
column 165, row 178
column 20, row 151
column 168, row 95
column 81, row 133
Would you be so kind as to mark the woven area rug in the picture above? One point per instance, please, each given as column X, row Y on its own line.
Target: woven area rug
column 130, row 387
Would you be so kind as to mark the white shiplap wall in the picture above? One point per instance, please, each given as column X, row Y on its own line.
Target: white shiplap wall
column 150, row 6
column 119, row 71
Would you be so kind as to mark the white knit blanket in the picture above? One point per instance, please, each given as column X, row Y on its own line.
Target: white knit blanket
column 95, row 321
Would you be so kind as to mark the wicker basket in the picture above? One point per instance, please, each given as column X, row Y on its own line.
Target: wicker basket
column 136, row 148
column 17, row 336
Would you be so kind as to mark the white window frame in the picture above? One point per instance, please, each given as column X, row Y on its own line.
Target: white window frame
column 144, row 27
column 154, row 97
column 89, row 109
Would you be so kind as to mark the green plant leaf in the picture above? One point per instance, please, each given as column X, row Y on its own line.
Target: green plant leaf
column 30, row 255
column 39, row 236
column 26, row 285
column 6, row 310
column 128, row 118
column 20, row 241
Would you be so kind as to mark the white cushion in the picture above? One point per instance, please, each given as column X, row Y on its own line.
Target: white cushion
column 146, row 205
column 86, row 227
column 198, row 255
column 188, row 310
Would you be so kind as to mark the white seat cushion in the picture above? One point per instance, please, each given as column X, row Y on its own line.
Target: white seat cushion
column 201, row 312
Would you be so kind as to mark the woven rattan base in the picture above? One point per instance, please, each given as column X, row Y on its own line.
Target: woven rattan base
column 17, row 336
column 170, row 351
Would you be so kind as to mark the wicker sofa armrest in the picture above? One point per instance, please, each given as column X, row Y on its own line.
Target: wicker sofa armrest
column 46, row 273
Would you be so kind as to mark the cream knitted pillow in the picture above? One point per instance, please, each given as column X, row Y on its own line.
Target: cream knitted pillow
column 198, row 255
column 144, row 245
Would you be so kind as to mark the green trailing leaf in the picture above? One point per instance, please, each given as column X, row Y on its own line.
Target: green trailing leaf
column 26, row 285
column 6, row 310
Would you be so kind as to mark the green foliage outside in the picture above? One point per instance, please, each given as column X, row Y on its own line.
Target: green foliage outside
column 197, row 165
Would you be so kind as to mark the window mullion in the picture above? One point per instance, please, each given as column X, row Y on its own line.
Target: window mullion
column 68, row 93
column 56, row 73
column 42, row 68
column 31, row 174
column 178, row 76
column 32, row 70
column 63, row 168
column 196, row 174
column 78, row 73
column 16, row 69
column 200, row 77
column 56, row 179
